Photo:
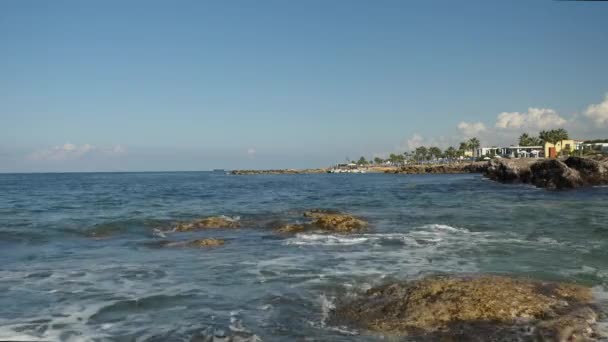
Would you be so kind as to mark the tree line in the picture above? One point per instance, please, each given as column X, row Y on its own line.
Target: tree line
column 423, row 153
column 551, row 136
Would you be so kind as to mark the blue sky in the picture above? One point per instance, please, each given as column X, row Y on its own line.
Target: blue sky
column 195, row 85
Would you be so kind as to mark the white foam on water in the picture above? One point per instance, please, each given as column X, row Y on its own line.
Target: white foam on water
column 327, row 305
column 600, row 295
column 326, row 240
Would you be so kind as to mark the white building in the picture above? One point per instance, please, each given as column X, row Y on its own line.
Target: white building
column 511, row 151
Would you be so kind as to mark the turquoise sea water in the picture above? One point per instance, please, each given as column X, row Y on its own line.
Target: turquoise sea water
column 79, row 258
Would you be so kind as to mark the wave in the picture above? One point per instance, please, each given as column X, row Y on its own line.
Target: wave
column 416, row 237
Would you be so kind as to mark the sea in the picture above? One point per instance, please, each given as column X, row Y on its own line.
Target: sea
column 82, row 259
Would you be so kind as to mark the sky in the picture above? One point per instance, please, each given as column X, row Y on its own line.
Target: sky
column 197, row 85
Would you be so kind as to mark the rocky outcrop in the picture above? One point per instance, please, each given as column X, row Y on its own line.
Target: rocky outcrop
column 474, row 167
column 509, row 170
column 326, row 221
column 554, row 174
column 468, row 308
column 208, row 222
column 571, row 173
column 278, row 172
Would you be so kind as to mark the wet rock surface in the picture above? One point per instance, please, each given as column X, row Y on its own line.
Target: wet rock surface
column 325, row 220
column 197, row 243
column 477, row 308
column 208, row 222
column 570, row 173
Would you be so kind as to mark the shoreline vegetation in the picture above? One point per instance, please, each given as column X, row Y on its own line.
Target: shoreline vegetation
column 555, row 174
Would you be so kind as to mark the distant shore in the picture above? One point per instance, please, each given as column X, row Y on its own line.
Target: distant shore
column 439, row 168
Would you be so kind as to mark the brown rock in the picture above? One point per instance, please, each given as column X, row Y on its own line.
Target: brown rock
column 554, row 174
column 208, row 222
column 202, row 243
column 291, row 228
column 342, row 223
column 449, row 306
column 198, row 243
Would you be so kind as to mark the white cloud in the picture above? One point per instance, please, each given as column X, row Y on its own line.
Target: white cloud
column 598, row 112
column 70, row 151
column 534, row 119
column 471, row 129
column 251, row 152
column 415, row 141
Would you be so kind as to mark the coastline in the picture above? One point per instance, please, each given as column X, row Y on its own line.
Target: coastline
column 449, row 168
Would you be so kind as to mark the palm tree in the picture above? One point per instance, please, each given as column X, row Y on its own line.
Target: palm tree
column 450, row 152
column 378, row 160
column 435, row 152
column 554, row 135
column 474, row 144
column 464, row 146
column 524, row 139
column 421, row 153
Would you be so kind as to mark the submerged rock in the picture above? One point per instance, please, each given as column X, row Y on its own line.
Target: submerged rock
column 326, row 220
column 291, row 228
column 201, row 243
column 208, row 222
column 488, row 306
column 198, row 243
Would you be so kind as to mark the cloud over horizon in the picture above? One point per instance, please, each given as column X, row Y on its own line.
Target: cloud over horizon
column 598, row 112
column 69, row 151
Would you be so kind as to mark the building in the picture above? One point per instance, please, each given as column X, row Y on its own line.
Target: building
column 511, row 151
column 599, row 146
column 522, row 151
column 487, row 151
column 560, row 147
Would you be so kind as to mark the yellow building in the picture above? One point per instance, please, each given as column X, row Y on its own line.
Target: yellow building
column 554, row 150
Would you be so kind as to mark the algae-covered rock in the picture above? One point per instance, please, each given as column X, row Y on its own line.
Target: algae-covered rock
column 457, row 306
column 325, row 220
column 202, row 243
column 341, row 223
column 208, row 222
column 198, row 243
column 291, row 228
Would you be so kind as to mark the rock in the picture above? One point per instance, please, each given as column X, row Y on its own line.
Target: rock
column 508, row 170
column 325, row 220
column 572, row 173
column 464, row 306
column 554, row 174
column 342, row 223
column 198, row 243
column 316, row 213
column 202, row 243
column 291, row 228
column 472, row 167
column 208, row 222
column 593, row 172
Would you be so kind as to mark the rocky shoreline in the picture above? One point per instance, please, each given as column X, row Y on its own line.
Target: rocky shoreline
column 554, row 174
column 474, row 308
column 473, row 167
